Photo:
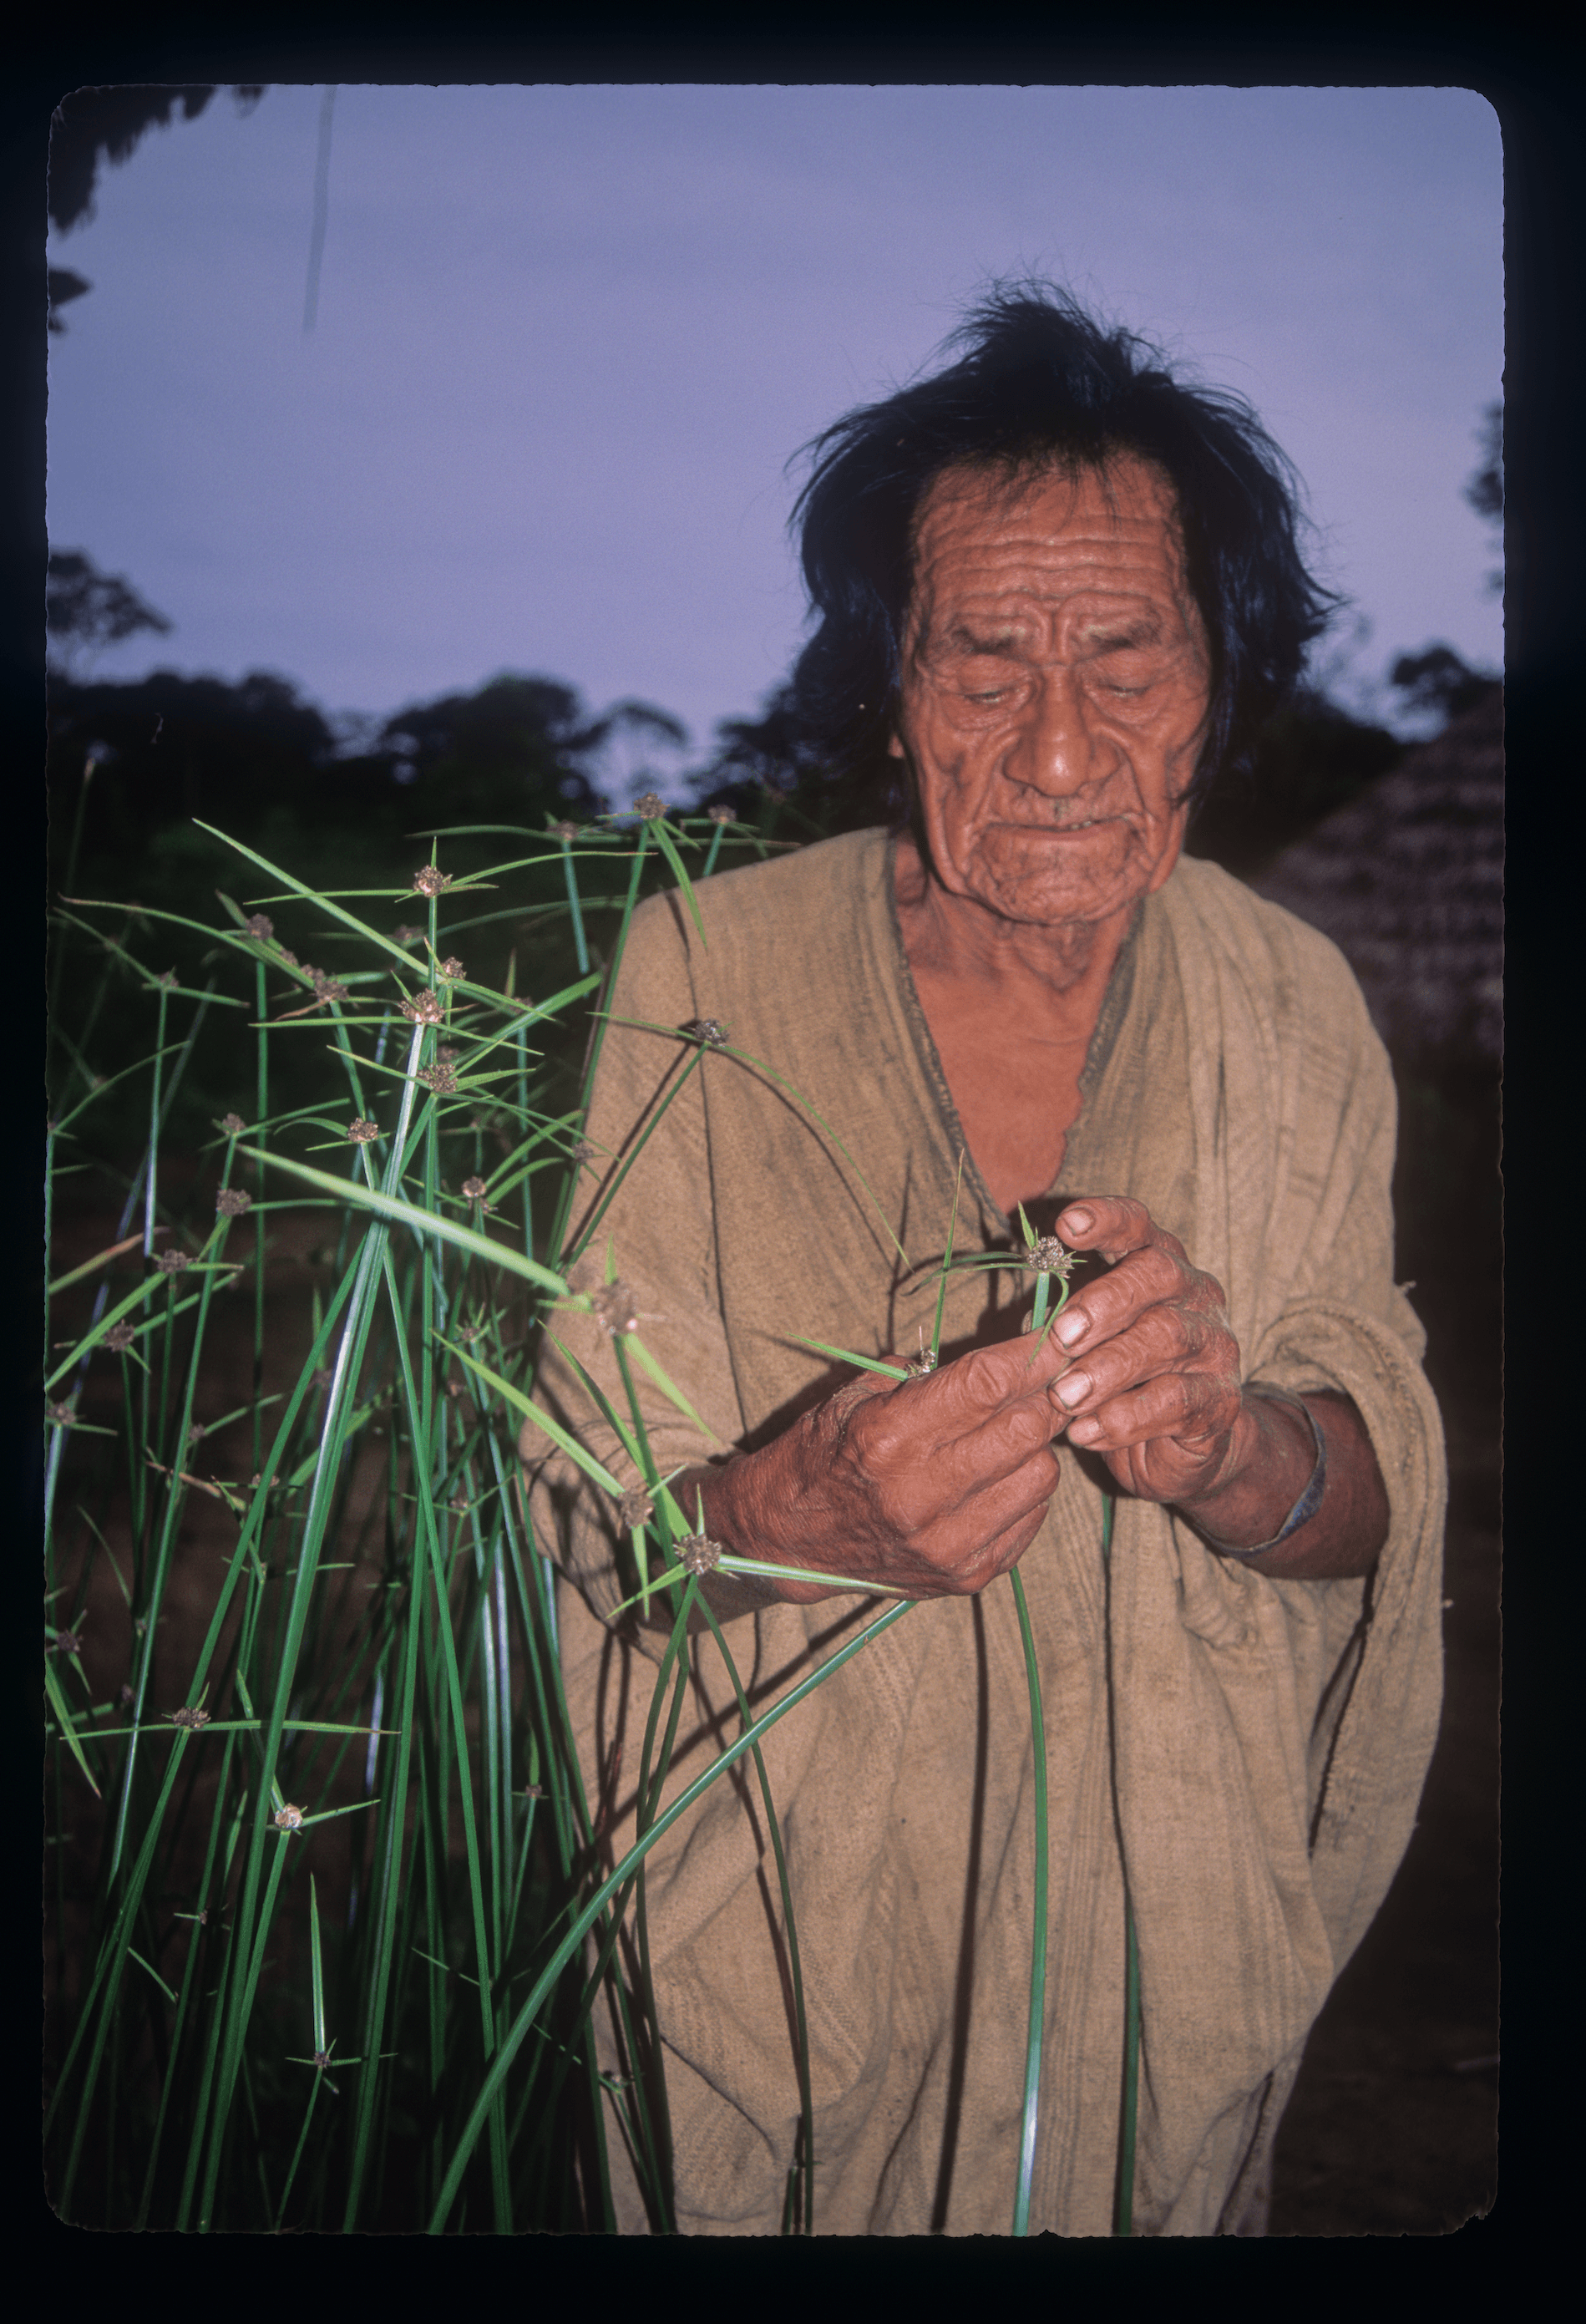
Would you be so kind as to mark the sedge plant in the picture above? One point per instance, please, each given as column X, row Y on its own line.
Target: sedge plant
column 328, row 1916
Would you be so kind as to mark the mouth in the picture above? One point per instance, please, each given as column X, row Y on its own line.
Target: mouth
column 1062, row 830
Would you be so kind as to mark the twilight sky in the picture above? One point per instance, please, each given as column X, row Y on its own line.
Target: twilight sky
column 568, row 337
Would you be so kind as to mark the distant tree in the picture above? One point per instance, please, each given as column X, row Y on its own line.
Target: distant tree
column 173, row 747
column 1310, row 757
column 1484, row 490
column 773, row 756
column 85, row 610
column 65, row 284
column 93, row 124
column 107, row 125
column 520, row 749
column 1437, row 683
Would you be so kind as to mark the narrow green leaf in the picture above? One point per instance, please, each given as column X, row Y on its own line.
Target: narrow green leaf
column 668, row 848
column 542, row 1420
column 422, row 1221
column 847, row 1356
column 57, row 1695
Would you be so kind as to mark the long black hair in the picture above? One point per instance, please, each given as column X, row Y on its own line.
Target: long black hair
column 1038, row 381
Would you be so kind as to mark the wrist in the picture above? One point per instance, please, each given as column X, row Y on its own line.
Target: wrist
column 1271, row 1484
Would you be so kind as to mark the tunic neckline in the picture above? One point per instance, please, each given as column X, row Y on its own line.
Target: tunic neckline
column 1103, row 1040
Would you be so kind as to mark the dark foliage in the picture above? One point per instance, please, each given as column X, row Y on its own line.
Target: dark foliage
column 65, row 284
column 1308, row 758
column 95, row 124
column 1437, row 682
column 85, row 608
column 254, row 756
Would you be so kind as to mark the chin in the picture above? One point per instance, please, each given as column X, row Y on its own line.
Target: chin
column 1094, row 877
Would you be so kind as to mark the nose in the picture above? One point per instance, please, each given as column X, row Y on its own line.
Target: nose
column 1056, row 751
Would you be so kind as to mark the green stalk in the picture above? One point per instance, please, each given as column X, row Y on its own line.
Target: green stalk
column 522, row 2025
column 262, row 1101
column 1037, row 1975
column 558, row 1227
column 572, row 906
column 500, row 2184
column 805, row 2160
column 1123, row 2209
column 348, row 1362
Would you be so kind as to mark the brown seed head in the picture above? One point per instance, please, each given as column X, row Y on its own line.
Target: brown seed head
column 650, row 806
column 474, row 1189
column 1050, row 1257
column 288, row 1819
column 231, row 1202
column 707, row 1030
column 563, row 830
column 260, row 925
column 320, row 1376
column 171, row 1262
column 424, row 1009
column 66, row 1642
column 62, row 1415
column 233, row 1124
column 440, row 1078
column 721, row 814
column 635, row 1507
column 327, row 988
column 452, row 970
column 195, row 1431
column 362, row 1132
column 119, row 1336
column 429, row 882
column 403, row 934
column 615, row 1308
column 447, row 1056
column 124, row 1695
column 459, row 1502
column 582, row 1150
column 699, row 1554
column 190, row 1717
column 169, row 982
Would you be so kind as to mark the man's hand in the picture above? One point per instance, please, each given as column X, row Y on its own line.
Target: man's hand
column 1153, row 1376
column 932, row 1487
column 1154, row 1387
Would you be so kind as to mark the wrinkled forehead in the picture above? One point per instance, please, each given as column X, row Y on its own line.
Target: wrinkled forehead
column 972, row 504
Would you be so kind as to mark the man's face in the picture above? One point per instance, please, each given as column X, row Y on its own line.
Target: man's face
column 1055, row 688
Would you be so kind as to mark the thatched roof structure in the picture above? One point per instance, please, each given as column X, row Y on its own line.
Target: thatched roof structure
column 1407, row 880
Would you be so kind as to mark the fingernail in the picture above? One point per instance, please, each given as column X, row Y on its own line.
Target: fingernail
column 1071, row 1329
column 1084, row 1431
column 1081, row 1222
column 1072, row 1388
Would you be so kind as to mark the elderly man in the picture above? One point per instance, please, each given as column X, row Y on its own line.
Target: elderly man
column 1060, row 587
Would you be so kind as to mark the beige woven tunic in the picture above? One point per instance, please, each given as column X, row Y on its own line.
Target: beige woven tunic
column 1252, row 1750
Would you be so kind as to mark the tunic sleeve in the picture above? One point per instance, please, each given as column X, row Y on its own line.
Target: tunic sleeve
column 656, row 1240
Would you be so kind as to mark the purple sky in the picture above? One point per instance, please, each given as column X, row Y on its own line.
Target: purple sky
column 567, row 338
